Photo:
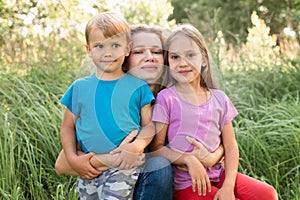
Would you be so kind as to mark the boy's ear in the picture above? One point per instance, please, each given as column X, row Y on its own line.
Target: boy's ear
column 128, row 49
column 88, row 50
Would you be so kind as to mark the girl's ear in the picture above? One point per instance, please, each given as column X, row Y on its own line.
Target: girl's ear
column 204, row 63
column 88, row 50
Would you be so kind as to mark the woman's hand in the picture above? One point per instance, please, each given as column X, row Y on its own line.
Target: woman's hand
column 128, row 157
column 207, row 158
column 128, row 154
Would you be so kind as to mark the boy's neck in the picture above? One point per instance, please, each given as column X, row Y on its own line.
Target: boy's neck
column 108, row 76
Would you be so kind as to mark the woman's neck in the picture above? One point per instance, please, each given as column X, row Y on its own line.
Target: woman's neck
column 154, row 87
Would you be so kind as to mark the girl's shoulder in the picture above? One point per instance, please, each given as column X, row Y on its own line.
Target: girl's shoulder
column 167, row 91
column 218, row 94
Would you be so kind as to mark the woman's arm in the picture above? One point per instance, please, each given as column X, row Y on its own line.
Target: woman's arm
column 131, row 154
column 204, row 156
column 196, row 170
column 80, row 164
column 101, row 162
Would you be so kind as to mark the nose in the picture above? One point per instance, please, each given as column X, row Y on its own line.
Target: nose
column 148, row 56
column 107, row 52
column 183, row 62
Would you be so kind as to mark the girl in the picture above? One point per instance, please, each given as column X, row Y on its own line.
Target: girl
column 194, row 108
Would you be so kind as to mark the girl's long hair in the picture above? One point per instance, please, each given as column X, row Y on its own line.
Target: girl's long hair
column 207, row 80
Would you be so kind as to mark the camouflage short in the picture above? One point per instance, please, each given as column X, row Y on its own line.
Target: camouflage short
column 113, row 184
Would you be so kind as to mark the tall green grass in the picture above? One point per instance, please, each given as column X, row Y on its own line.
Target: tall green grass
column 268, row 125
column 267, row 128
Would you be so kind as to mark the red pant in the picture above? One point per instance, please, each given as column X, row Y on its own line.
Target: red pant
column 246, row 188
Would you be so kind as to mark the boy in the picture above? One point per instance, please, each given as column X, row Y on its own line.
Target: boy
column 104, row 108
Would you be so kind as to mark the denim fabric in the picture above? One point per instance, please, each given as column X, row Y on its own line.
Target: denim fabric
column 156, row 180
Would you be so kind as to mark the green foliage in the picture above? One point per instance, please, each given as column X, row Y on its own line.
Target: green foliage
column 153, row 12
column 37, row 66
column 233, row 17
column 268, row 125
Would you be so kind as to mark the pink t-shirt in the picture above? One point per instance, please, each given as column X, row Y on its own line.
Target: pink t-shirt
column 203, row 122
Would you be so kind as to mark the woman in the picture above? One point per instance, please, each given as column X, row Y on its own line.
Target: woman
column 147, row 63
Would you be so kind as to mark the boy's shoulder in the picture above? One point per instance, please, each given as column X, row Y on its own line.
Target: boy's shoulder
column 132, row 79
column 86, row 79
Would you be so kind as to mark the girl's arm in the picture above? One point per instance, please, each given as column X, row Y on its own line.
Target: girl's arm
column 79, row 163
column 195, row 168
column 231, row 162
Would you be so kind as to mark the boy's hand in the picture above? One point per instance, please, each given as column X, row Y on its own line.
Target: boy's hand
column 81, row 164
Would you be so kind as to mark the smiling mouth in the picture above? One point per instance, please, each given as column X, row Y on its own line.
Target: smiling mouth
column 149, row 67
column 184, row 71
column 107, row 62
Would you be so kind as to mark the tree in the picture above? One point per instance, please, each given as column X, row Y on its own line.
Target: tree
column 233, row 17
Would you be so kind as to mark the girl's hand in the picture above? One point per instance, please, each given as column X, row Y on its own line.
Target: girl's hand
column 81, row 164
column 198, row 175
column 225, row 193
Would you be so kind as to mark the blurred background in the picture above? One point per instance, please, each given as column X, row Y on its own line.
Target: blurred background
column 254, row 43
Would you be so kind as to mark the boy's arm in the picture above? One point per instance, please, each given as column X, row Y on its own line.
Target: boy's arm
column 131, row 154
column 147, row 131
column 79, row 163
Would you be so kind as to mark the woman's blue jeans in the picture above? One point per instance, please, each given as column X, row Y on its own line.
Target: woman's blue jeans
column 156, row 180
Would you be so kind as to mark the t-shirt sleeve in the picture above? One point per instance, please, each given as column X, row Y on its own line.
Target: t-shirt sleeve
column 69, row 99
column 230, row 111
column 147, row 95
column 161, row 109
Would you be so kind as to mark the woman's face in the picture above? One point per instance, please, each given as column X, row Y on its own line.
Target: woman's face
column 146, row 58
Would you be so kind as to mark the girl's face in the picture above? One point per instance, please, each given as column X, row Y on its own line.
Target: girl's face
column 185, row 59
column 146, row 58
column 108, row 54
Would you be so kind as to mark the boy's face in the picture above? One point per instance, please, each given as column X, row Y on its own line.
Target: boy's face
column 107, row 53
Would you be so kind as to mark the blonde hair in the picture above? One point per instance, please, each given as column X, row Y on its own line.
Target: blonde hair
column 206, row 78
column 109, row 23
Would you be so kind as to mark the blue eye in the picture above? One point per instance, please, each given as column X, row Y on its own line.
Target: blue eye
column 100, row 46
column 189, row 55
column 116, row 45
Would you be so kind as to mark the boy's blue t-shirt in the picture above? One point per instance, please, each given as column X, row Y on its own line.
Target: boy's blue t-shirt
column 106, row 111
